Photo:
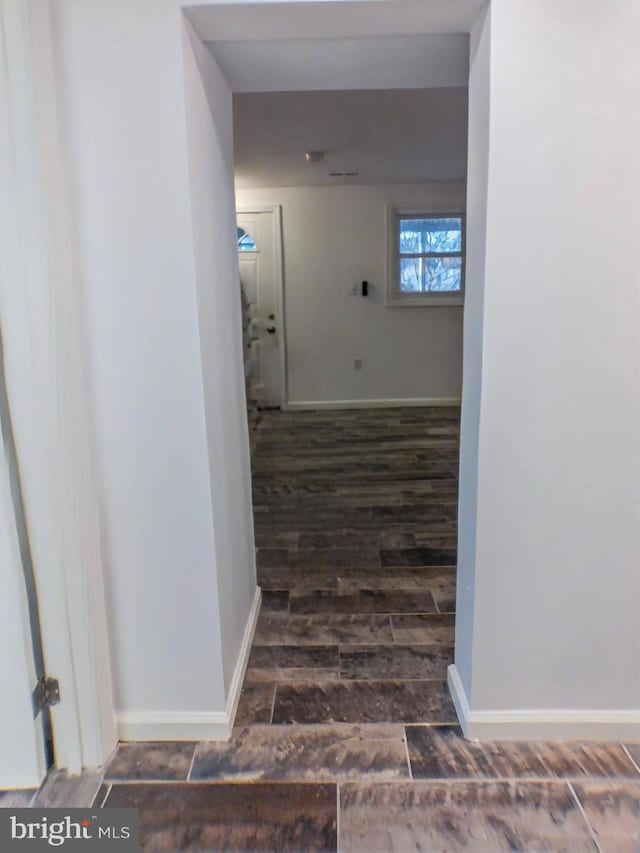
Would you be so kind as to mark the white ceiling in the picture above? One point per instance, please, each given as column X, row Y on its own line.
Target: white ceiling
column 387, row 136
column 238, row 20
column 293, row 53
column 379, row 62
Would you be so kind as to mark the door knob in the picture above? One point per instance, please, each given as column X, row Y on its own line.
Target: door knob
column 271, row 330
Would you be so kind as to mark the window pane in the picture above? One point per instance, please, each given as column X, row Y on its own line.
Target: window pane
column 246, row 243
column 431, row 235
column 430, row 275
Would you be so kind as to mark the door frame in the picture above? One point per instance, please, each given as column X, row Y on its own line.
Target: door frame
column 45, row 352
column 276, row 209
column 23, row 762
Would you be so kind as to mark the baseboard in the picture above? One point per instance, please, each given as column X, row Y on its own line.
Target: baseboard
column 393, row 403
column 243, row 659
column 542, row 724
column 193, row 725
column 459, row 697
column 172, row 725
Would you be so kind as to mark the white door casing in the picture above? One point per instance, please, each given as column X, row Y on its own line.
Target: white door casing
column 261, row 278
column 45, row 357
column 22, row 751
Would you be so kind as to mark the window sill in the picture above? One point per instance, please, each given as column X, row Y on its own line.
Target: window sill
column 429, row 301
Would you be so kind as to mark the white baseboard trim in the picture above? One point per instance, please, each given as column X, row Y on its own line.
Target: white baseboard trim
column 542, row 724
column 373, row 404
column 172, row 725
column 459, row 697
column 194, row 725
column 243, row 659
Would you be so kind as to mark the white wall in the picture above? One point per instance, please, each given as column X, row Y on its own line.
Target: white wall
column 554, row 563
column 210, row 149
column 335, row 237
column 145, row 271
column 557, row 585
column 477, row 186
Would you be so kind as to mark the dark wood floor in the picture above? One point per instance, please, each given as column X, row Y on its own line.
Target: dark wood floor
column 346, row 737
column 355, row 520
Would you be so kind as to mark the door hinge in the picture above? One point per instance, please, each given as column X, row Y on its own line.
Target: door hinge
column 45, row 694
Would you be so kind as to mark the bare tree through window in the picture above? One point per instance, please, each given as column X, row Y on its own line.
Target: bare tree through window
column 430, row 254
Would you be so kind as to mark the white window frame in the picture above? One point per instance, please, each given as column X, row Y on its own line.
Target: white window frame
column 394, row 297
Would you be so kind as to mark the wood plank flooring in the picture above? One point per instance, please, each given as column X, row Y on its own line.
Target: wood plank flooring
column 355, row 522
column 346, row 738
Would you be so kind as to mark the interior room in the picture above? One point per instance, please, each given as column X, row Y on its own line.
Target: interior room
column 351, row 247
column 320, row 425
column 372, row 153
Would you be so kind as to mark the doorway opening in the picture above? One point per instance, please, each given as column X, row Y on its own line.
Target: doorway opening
column 259, row 236
column 350, row 228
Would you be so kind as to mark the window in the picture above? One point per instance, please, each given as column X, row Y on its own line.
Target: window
column 425, row 258
column 246, row 243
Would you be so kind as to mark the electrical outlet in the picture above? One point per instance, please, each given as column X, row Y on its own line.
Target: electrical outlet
column 357, row 364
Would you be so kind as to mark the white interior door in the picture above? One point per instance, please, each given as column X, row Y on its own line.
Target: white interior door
column 260, row 274
column 22, row 744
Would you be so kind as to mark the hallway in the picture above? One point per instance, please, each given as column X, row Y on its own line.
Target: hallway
column 346, row 737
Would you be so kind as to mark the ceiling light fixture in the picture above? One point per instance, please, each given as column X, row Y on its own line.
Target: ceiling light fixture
column 314, row 156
